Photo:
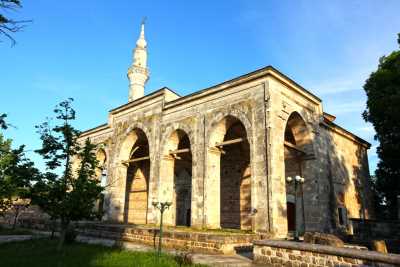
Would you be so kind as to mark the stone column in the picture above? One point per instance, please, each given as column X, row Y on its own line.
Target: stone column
column 153, row 182
column 275, row 128
column 198, row 169
column 259, row 185
column 166, row 188
column 212, row 189
column 118, row 200
column 197, row 185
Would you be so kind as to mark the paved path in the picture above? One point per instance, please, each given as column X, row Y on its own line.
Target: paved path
column 222, row 260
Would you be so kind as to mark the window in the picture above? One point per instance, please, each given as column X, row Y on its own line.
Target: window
column 342, row 212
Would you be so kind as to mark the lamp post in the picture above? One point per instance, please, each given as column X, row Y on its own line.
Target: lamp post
column 298, row 180
column 162, row 206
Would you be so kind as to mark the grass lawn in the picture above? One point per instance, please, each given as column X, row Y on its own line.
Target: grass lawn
column 42, row 252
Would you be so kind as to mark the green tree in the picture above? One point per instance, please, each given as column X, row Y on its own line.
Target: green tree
column 66, row 194
column 3, row 124
column 16, row 174
column 383, row 111
column 9, row 26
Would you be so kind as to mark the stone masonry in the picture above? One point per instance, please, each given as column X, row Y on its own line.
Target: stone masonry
column 222, row 156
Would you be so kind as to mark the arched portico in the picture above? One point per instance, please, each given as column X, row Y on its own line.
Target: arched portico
column 297, row 150
column 135, row 163
column 228, row 180
column 176, row 178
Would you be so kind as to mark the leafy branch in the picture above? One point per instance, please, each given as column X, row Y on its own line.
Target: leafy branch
column 9, row 26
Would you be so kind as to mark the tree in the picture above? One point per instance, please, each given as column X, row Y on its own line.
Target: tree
column 8, row 26
column 383, row 111
column 70, row 195
column 3, row 124
column 16, row 173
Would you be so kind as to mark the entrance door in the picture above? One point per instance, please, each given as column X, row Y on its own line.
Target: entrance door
column 291, row 215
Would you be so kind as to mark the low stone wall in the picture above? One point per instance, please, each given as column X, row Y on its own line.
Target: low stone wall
column 376, row 229
column 175, row 238
column 289, row 253
column 209, row 242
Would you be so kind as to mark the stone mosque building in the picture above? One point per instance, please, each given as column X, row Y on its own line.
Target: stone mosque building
column 256, row 153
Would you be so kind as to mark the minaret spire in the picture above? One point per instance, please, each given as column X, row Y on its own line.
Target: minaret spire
column 138, row 73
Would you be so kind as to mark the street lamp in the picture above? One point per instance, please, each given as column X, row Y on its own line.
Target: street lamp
column 298, row 180
column 162, row 206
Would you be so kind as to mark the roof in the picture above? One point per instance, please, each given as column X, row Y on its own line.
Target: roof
column 251, row 75
column 264, row 71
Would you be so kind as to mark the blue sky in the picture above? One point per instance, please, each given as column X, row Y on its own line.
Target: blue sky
column 82, row 49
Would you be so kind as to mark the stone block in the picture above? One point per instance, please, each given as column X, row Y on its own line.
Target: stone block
column 379, row 245
column 323, row 239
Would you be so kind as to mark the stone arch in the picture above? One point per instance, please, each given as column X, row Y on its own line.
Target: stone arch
column 134, row 165
column 229, row 173
column 241, row 116
column 298, row 133
column 176, row 171
column 101, row 157
column 298, row 148
column 170, row 130
column 129, row 140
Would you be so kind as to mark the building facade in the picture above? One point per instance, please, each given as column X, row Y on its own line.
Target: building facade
column 255, row 153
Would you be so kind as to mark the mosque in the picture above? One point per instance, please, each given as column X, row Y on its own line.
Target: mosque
column 256, row 153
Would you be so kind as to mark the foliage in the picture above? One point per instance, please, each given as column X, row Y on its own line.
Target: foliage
column 41, row 253
column 383, row 111
column 8, row 26
column 16, row 172
column 63, row 193
column 3, row 124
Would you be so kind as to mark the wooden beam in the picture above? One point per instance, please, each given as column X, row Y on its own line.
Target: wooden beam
column 133, row 151
column 136, row 159
column 178, row 151
column 294, row 147
column 230, row 142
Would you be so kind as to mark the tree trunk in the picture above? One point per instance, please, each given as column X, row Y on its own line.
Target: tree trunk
column 53, row 228
column 15, row 218
column 63, row 232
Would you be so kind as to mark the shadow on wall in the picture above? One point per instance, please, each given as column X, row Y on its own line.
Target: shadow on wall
column 336, row 178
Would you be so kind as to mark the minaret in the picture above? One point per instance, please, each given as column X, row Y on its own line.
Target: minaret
column 138, row 74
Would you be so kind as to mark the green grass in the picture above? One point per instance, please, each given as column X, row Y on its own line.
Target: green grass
column 42, row 252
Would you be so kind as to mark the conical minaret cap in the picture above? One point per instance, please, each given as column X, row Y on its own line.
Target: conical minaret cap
column 141, row 42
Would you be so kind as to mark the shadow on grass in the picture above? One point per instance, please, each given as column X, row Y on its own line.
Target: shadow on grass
column 42, row 252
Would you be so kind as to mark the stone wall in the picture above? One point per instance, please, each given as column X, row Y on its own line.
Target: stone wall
column 287, row 253
column 375, row 229
column 263, row 102
column 368, row 231
column 196, row 241
column 181, row 239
